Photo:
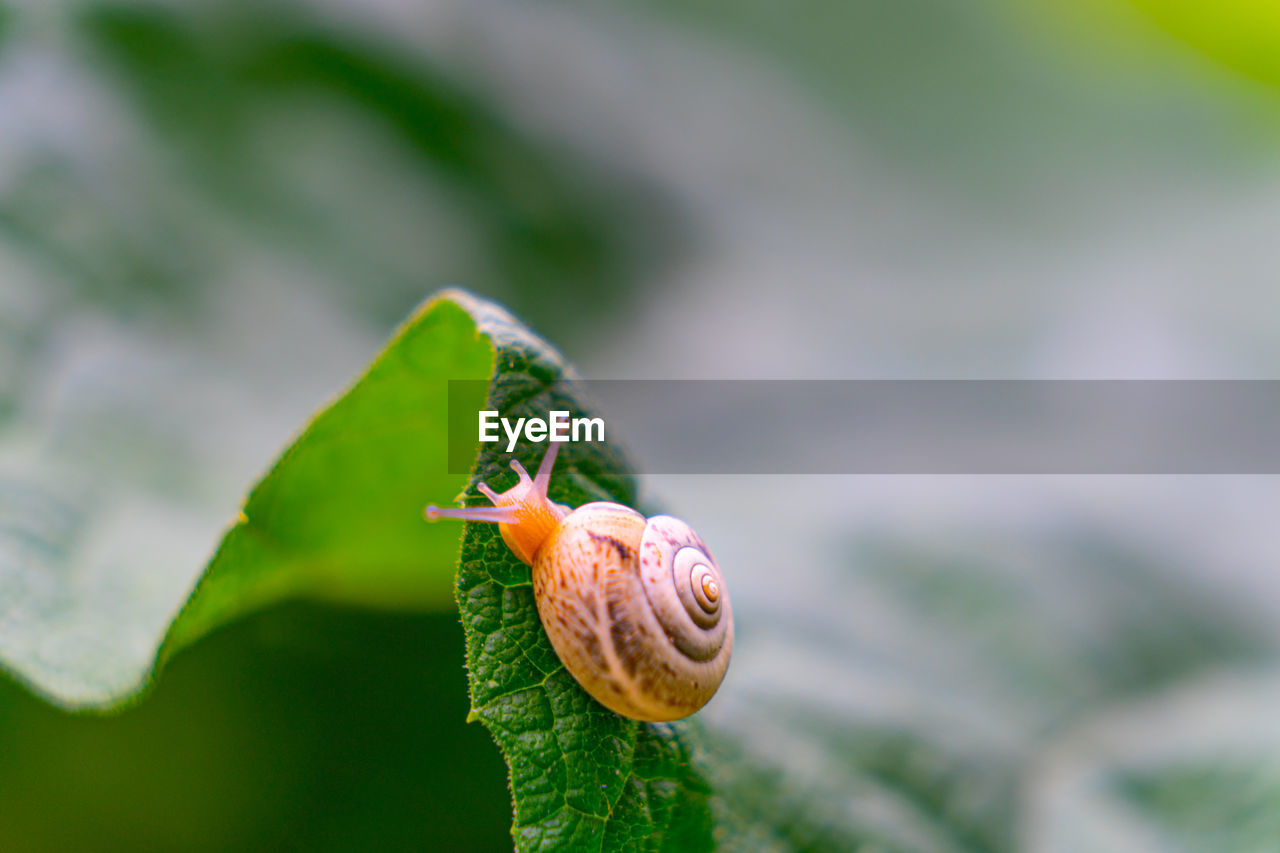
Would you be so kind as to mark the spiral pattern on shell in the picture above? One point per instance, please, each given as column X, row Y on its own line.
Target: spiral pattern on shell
column 684, row 587
column 636, row 610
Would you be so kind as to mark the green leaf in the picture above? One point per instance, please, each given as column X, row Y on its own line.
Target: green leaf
column 337, row 518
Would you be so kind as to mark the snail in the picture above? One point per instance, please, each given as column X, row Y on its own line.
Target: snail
column 635, row 608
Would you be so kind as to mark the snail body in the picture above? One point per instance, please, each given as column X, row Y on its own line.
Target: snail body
column 635, row 607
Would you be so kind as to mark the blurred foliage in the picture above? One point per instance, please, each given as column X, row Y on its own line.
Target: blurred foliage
column 232, row 90
column 549, row 231
column 1225, row 804
column 972, row 98
column 1244, row 35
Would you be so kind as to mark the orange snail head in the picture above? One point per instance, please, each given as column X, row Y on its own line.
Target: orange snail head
column 524, row 514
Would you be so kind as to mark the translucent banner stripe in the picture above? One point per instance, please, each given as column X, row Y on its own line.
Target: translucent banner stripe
column 908, row 426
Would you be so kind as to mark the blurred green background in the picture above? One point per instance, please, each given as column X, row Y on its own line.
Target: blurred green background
column 212, row 214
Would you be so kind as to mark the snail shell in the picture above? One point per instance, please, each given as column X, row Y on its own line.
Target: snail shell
column 636, row 609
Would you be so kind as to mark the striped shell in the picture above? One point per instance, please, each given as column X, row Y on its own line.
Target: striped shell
column 636, row 609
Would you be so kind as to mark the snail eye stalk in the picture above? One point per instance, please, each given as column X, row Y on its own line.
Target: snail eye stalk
column 491, row 514
column 524, row 514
